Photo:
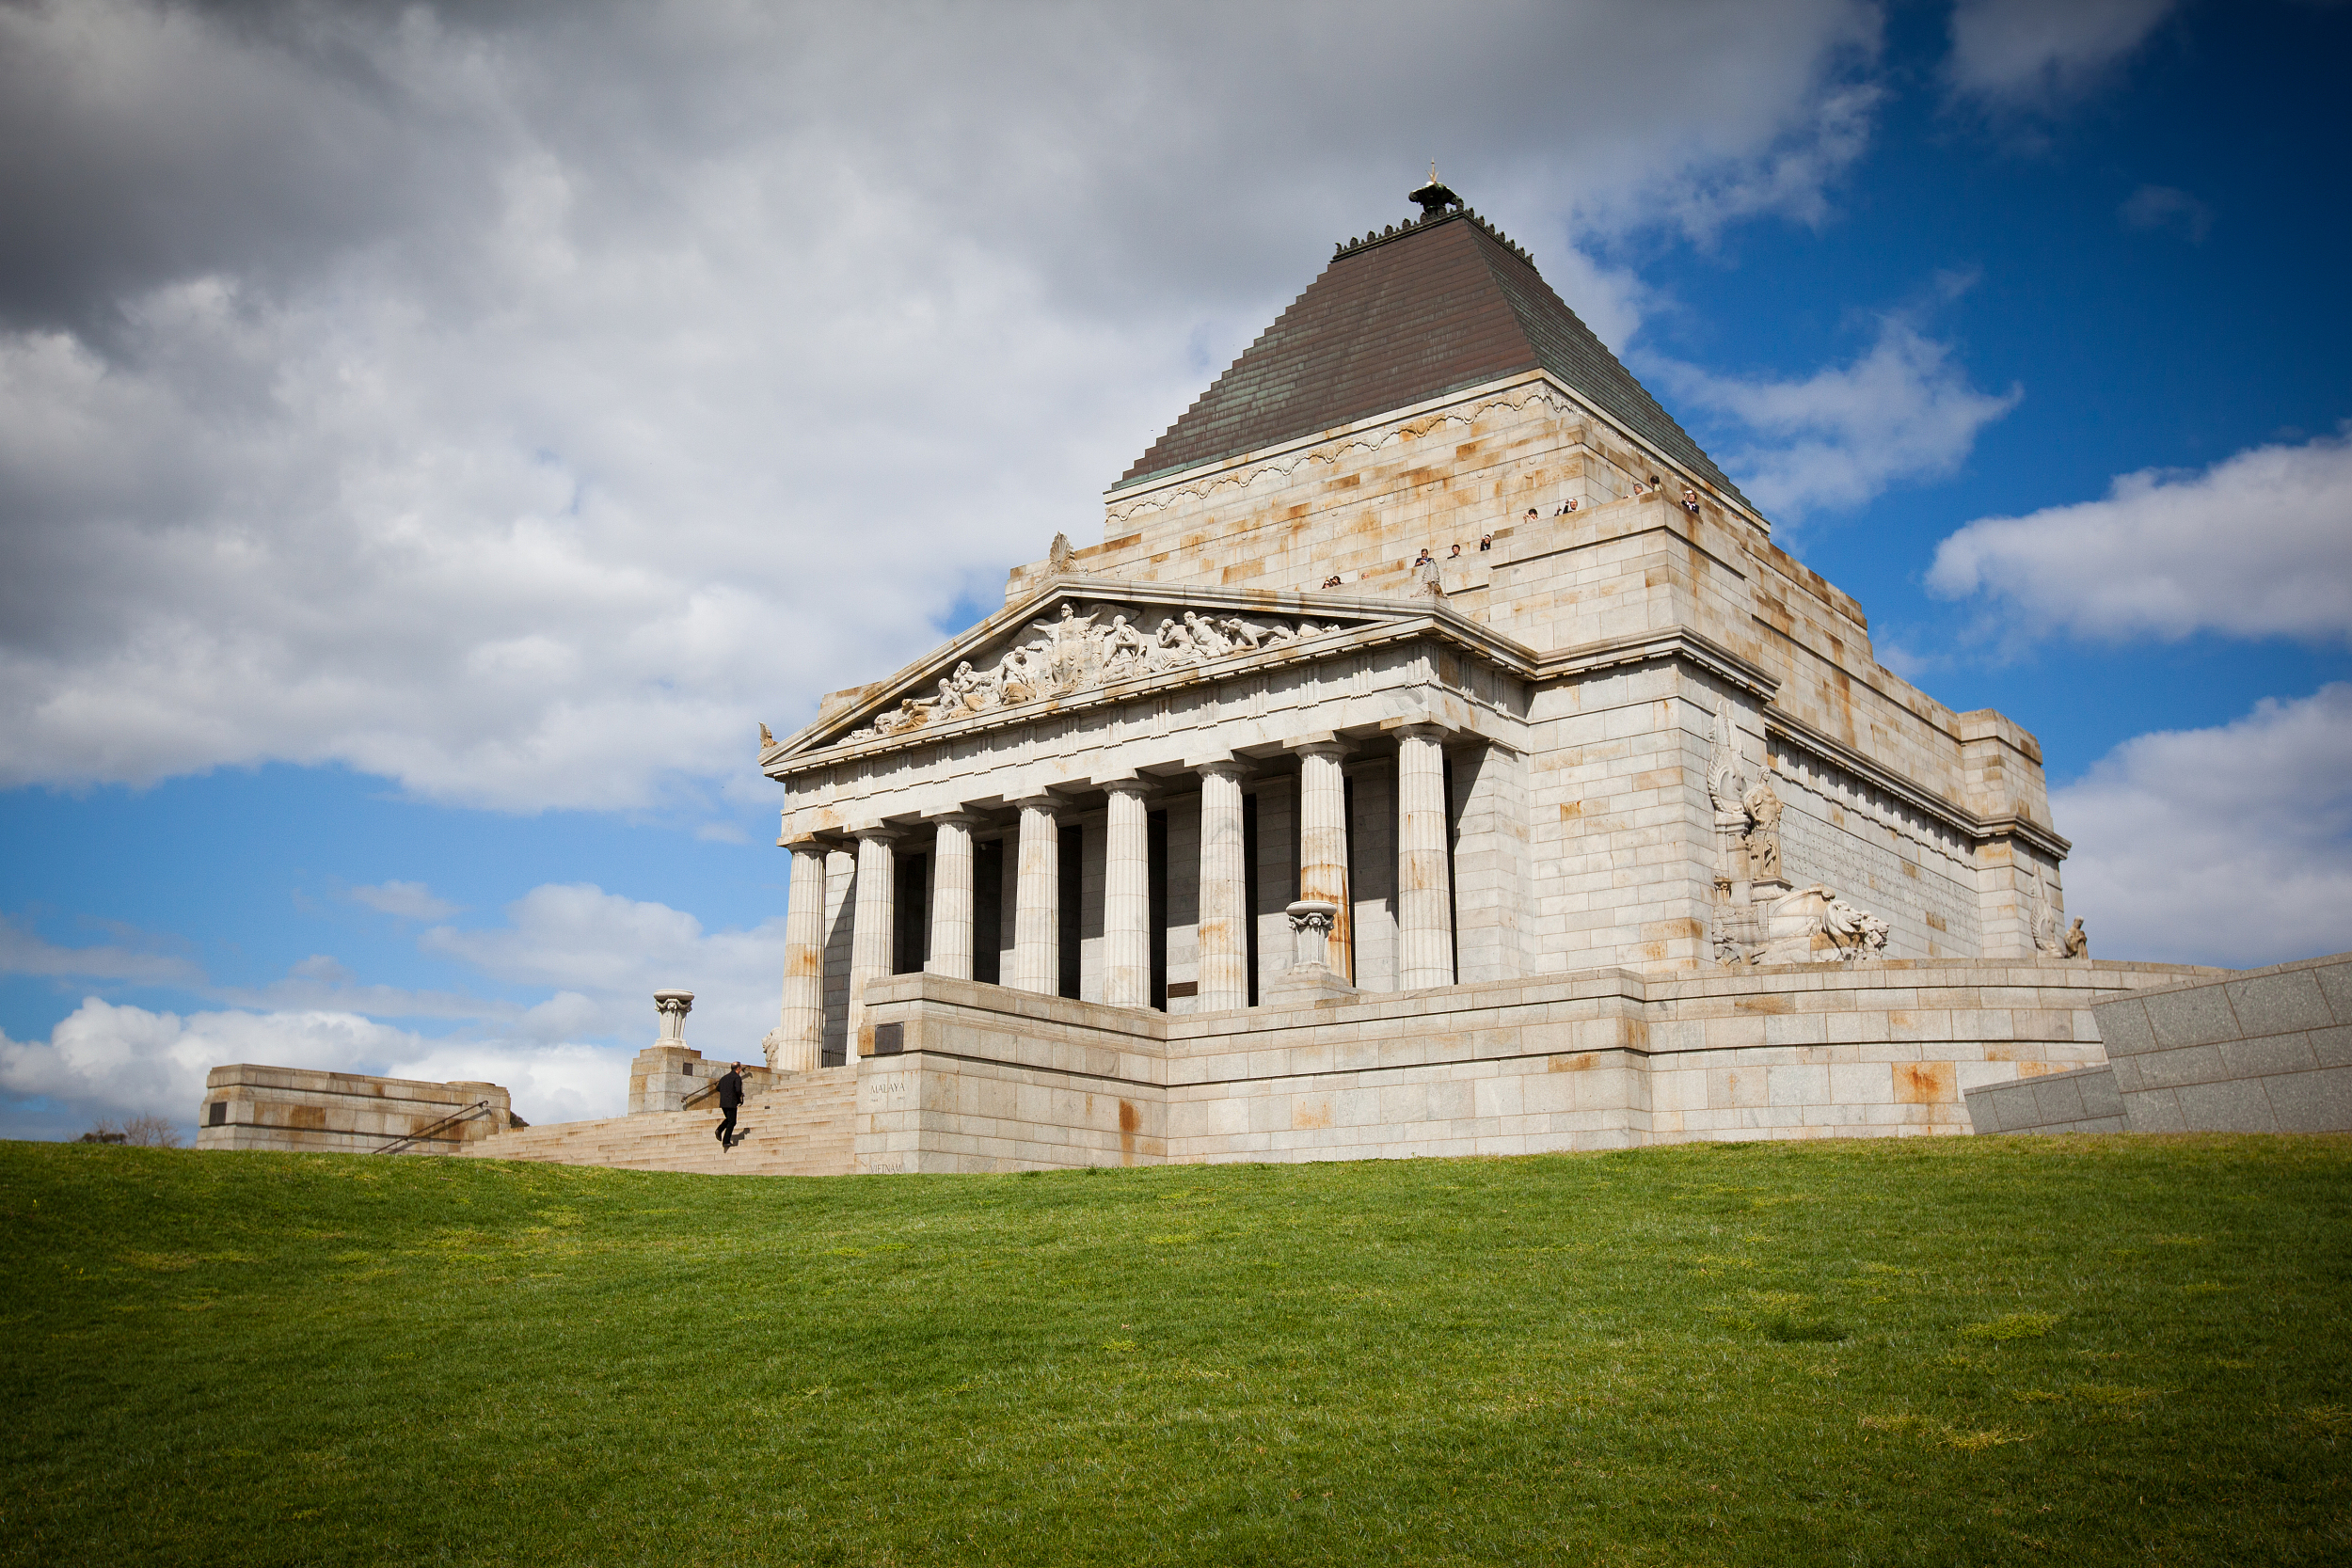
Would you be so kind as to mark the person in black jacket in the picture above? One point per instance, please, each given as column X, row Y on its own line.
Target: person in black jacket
column 730, row 1100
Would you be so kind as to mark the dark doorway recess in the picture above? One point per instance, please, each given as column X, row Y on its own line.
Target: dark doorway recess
column 910, row 913
column 1069, row 851
column 1156, row 900
column 988, row 911
column 1250, row 887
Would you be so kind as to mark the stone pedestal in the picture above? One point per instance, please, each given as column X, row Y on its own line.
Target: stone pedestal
column 1310, row 976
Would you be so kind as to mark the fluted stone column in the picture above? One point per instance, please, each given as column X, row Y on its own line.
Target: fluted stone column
column 1424, row 899
column 1036, row 912
column 1127, row 898
column 1224, row 927
column 800, row 1038
column 1322, row 846
column 951, row 897
column 873, row 932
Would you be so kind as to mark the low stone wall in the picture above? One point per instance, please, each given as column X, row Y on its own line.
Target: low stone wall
column 2085, row 1101
column 247, row 1106
column 671, row 1077
column 992, row 1079
column 2264, row 1050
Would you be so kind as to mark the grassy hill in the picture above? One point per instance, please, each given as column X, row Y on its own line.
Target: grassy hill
column 2063, row 1351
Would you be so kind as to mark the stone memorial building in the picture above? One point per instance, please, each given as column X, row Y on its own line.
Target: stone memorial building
column 1435, row 755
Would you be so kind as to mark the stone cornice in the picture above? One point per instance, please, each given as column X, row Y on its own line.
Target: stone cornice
column 1681, row 642
column 1952, row 815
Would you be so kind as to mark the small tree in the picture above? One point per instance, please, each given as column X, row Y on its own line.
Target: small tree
column 149, row 1131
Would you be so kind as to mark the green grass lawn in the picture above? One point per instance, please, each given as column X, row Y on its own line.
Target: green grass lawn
column 1948, row 1350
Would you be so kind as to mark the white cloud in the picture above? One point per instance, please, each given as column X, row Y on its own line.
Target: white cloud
column 2040, row 53
column 2161, row 206
column 2259, row 545
column 2227, row 846
column 407, row 900
column 1903, row 411
column 23, row 951
column 607, row 955
column 104, row 1060
column 598, row 956
column 112, row 1060
column 522, row 405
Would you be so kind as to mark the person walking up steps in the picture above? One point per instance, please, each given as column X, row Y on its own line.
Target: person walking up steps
column 730, row 1100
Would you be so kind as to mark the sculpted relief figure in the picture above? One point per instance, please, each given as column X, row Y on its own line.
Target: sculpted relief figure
column 1212, row 642
column 1726, row 786
column 1763, row 837
column 2077, row 942
column 2042, row 921
column 1174, row 646
column 1857, row 932
column 1122, row 650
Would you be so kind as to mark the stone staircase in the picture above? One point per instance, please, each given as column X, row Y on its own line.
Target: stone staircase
column 802, row 1127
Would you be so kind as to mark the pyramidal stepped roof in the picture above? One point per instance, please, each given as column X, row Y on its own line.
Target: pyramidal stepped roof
column 1435, row 306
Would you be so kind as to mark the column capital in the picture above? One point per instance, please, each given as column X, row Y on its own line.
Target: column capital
column 803, row 844
column 878, row 832
column 1323, row 745
column 1128, row 783
column 959, row 817
column 1224, row 767
column 1425, row 729
column 1045, row 801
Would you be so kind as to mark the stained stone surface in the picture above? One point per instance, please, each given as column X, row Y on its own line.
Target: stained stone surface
column 295, row 1109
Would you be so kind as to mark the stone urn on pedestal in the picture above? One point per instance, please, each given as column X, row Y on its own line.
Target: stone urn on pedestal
column 1310, row 975
column 663, row 1074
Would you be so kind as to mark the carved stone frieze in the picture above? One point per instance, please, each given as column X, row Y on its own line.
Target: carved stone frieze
column 1085, row 648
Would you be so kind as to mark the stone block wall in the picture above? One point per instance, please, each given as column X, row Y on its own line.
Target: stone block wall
column 2264, row 1050
column 2261, row 1050
column 297, row 1110
column 994, row 1080
column 2083, row 1101
column 666, row 1077
column 1363, row 501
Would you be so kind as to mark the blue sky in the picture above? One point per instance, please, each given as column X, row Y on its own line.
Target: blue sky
column 430, row 444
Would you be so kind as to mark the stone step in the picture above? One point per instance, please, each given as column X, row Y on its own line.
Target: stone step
column 804, row 1126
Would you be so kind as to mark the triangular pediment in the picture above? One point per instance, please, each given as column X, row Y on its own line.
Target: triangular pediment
column 1082, row 638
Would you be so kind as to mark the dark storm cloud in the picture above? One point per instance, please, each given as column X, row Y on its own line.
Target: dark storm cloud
column 144, row 145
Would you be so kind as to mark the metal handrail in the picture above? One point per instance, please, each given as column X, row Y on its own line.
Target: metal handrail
column 422, row 1132
column 707, row 1091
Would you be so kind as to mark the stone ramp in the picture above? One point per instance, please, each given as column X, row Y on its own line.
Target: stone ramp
column 802, row 1127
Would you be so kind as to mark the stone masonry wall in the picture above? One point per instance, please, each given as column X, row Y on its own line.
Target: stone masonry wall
column 994, row 1080
column 1382, row 490
column 2262, row 1051
column 297, row 1110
